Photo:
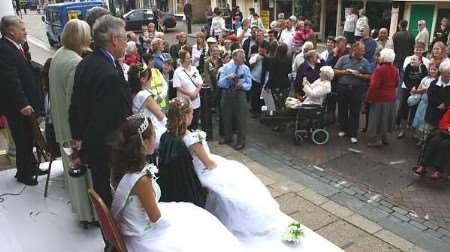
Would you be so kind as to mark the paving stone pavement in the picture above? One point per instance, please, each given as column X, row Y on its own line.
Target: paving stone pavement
column 336, row 222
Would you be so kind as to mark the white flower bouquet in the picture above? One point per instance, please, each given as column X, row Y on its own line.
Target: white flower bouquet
column 293, row 232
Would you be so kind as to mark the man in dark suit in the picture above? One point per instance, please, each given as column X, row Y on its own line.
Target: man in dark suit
column 187, row 9
column 20, row 95
column 101, row 101
column 403, row 45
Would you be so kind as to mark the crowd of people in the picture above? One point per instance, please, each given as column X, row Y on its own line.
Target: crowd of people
column 122, row 99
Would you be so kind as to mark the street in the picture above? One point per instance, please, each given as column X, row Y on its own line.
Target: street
column 376, row 183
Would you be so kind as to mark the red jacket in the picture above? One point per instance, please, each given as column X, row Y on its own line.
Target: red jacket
column 132, row 59
column 383, row 84
column 444, row 124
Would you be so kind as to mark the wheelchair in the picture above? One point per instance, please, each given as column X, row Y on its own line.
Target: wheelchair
column 310, row 124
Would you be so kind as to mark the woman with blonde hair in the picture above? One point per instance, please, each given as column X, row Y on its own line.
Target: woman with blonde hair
column 75, row 40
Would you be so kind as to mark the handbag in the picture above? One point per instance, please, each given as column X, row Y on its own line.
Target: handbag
column 414, row 99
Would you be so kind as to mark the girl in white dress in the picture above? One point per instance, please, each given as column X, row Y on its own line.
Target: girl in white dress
column 146, row 224
column 235, row 195
column 144, row 99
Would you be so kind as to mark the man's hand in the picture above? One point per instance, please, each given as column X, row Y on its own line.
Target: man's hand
column 231, row 76
column 26, row 111
column 442, row 106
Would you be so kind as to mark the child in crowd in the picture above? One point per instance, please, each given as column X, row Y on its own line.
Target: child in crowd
column 421, row 91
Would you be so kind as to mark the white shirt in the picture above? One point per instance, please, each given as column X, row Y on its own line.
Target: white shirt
column 286, row 37
column 196, row 53
column 257, row 68
column 243, row 35
column 19, row 46
column 139, row 106
column 188, row 80
column 362, row 21
column 324, row 55
column 316, row 91
column 350, row 23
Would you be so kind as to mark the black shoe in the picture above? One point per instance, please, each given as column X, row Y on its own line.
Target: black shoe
column 41, row 172
column 239, row 146
column 28, row 181
column 223, row 141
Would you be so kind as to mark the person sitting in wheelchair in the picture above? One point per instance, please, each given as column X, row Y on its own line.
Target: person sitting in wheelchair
column 436, row 151
column 316, row 92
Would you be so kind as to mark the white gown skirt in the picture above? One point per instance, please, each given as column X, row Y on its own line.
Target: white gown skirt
column 239, row 199
column 184, row 227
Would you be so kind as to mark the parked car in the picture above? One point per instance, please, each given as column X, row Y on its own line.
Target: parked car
column 57, row 15
column 134, row 19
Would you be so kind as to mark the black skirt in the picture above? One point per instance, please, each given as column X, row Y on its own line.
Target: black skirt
column 177, row 177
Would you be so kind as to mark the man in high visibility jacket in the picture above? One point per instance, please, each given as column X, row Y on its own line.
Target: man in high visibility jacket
column 159, row 86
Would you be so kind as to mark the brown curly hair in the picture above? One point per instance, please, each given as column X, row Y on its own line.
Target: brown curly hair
column 178, row 109
column 127, row 151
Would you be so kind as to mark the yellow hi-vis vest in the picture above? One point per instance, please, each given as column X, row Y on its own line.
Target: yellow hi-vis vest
column 156, row 84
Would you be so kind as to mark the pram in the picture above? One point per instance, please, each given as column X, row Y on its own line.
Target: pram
column 308, row 122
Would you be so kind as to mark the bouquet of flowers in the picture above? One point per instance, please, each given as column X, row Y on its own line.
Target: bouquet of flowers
column 293, row 232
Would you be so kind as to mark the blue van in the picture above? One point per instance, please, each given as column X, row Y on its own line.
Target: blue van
column 57, row 15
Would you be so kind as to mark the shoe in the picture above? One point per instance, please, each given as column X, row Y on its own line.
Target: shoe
column 420, row 170
column 276, row 128
column 28, row 181
column 353, row 140
column 239, row 146
column 41, row 172
column 436, row 175
column 375, row 144
column 342, row 134
column 401, row 134
column 223, row 141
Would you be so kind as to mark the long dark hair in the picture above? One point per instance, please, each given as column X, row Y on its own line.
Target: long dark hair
column 127, row 151
column 281, row 51
column 134, row 77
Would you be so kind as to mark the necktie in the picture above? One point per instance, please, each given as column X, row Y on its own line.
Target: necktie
column 22, row 52
column 119, row 69
column 235, row 81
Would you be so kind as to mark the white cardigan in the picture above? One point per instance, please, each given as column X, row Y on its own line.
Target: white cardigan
column 316, row 91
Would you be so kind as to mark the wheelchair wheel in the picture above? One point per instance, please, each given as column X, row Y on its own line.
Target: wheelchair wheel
column 320, row 136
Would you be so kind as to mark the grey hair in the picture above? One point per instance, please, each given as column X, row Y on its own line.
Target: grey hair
column 422, row 21
column 236, row 52
column 105, row 27
column 443, row 67
column 387, row 55
column 95, row 13
column 328, row 71
column 309, row 54
column 308, row 45
column 8, row 22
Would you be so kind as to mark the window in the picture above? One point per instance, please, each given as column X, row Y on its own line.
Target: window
column 309, row 9
column 135, row 16
column 148, row 14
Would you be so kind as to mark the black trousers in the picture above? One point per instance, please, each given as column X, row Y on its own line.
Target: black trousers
column 205, row 111
column 255, row 94
column 234, row 108
column 188, row 23
column 195, row 119
column 22, row 134
column 349, row 107
column 101, row 174
column 437, row 151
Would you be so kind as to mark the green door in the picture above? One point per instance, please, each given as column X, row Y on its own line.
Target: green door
column 419, row 12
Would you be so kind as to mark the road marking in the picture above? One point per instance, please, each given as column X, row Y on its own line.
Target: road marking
column 354, row 150
column 317, row 168
column 373, row 198
column 39, row 43
column 397, row 162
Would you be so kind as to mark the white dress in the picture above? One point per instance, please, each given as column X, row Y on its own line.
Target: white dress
column 245, row 206
column 181, row 227
column 139, row 106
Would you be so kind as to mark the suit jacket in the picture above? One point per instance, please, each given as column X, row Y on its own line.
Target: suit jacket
column 61, row 79
column 26, row 89
column 100, row 103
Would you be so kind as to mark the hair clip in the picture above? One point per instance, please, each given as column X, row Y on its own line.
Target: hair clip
column 144, row 125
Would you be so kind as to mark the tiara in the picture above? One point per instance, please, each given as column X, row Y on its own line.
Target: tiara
column 144, row 125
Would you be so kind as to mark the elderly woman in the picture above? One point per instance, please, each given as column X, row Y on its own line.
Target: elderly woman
column 317, row 91
column 132, row 56
column 438, row 96
column 75, row 40
column 381, row 96
column 158, row 53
